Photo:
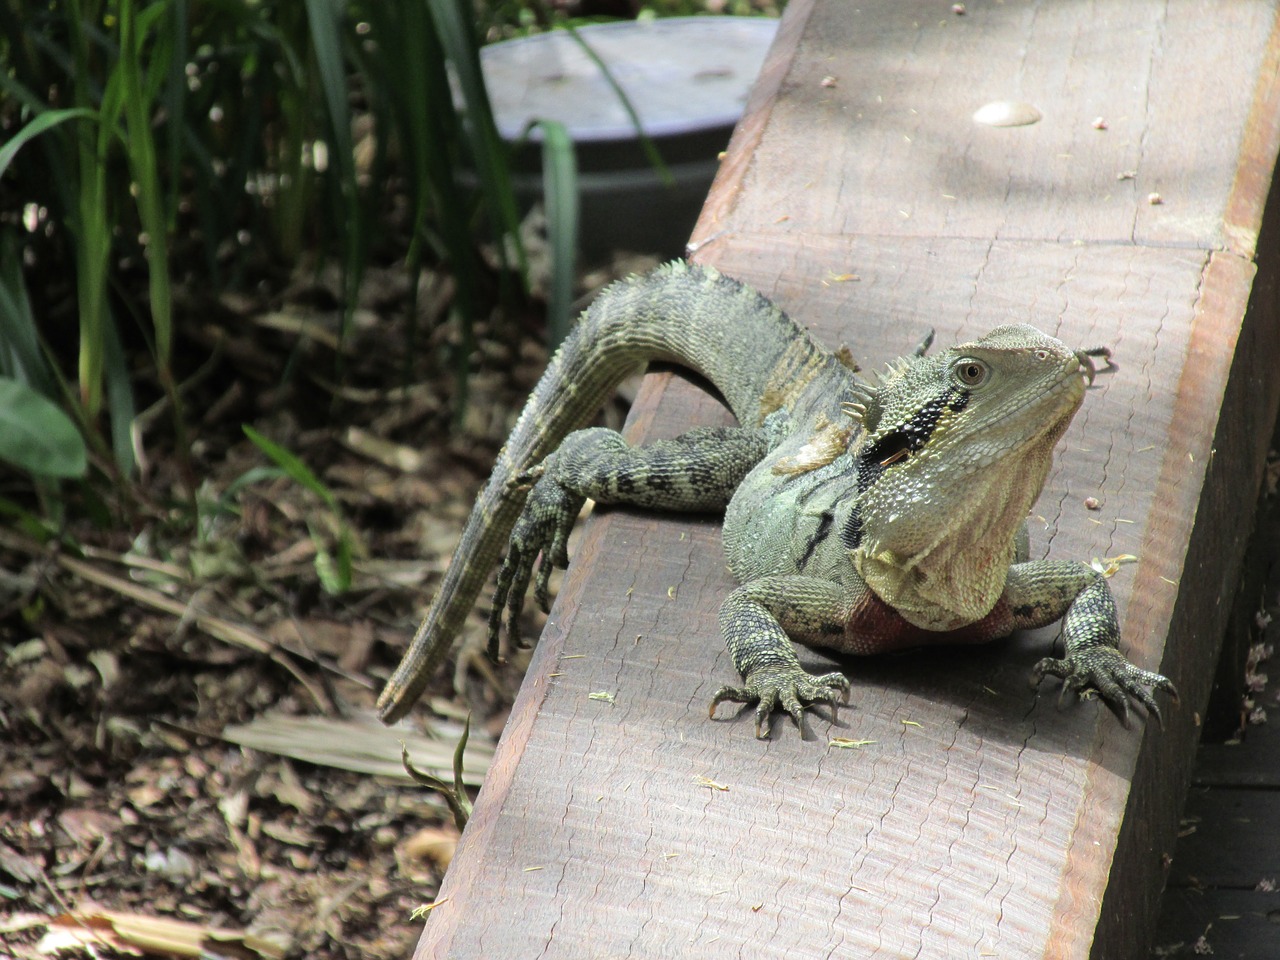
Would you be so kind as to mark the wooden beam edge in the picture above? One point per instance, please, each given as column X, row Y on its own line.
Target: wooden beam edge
column 466, row 870
column 1242, row 219
column 1228, row 433
column 739, row 155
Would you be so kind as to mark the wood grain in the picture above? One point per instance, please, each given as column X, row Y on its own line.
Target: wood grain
column 977, row 819
column 880, row 98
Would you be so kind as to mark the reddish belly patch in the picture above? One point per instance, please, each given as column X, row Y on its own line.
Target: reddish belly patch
column 875, row 627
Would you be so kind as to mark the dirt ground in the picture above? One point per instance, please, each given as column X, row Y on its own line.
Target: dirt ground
column 138, row 654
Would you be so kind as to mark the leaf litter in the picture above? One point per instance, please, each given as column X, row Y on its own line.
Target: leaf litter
column 188, row 758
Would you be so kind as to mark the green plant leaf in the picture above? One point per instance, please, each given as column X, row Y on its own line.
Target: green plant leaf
column 50, row 118
column 298, row 471
column 454, row 25
column 335, row 570
column 560, row 192
column 27, row 522
column 141, row 150
column 646, row 142
column 36, row 435
column 121, row 409
column 325, row 18
column 20, row 356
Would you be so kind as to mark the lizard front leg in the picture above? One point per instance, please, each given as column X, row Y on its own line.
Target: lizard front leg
column 1040, row 592
column 697, row 471
column 757, row 621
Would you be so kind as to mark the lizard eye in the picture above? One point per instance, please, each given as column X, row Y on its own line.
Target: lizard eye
column 971, row 373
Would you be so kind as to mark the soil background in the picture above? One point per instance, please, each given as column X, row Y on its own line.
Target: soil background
column 129, row 649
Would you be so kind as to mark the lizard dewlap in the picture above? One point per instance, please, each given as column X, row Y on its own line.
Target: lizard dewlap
column 861, row 514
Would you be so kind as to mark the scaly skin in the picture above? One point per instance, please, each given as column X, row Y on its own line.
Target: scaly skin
column 859, row 516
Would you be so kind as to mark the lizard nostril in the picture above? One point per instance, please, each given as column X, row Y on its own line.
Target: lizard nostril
column 1042, row 354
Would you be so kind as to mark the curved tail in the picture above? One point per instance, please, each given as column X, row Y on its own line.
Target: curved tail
column 754, row 354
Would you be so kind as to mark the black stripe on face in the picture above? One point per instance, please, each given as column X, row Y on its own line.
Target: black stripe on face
column 851, row 535
column 897, row 447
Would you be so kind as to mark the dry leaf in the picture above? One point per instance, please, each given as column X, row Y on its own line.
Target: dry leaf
column 395, row 456
column 285, row 833
column 286, row 788
column 361, row 743
column 436, row 844
column 132, row 933
column 18, row 866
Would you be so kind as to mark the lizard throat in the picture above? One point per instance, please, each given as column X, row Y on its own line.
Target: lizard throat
column 896, row 448
column 936, row 544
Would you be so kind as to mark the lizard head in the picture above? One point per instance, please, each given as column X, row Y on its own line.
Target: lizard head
column 955, row 451
column 974, row 405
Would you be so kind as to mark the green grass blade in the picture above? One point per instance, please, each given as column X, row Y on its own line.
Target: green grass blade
column 93, row 248
column 646, row 143
column 560, row 194
column 453, row 20
column 335, row 572
column 41, row 123
column 141, row 149
column 459, row 756
column 175, row 102
column 226, row 500
column 408, row 78
column 20, row 355
column 325, row 19
column 121, row 409
column 298, row 471
column 403, row 63
column 27, row 522
column 91, row 227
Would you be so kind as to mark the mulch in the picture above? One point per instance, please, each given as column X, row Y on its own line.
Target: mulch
column 133, row 647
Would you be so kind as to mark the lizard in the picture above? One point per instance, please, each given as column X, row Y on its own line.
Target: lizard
column 861, row 514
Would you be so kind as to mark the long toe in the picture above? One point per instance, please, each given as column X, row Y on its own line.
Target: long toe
column 731, row 694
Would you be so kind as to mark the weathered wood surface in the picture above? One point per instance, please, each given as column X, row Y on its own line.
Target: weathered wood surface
column 979, row 820
column 1224, row 884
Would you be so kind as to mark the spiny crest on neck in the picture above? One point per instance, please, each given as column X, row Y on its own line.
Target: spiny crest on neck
column 866, row 405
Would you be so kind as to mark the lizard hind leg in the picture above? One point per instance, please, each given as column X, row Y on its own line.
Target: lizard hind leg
column 697, row 471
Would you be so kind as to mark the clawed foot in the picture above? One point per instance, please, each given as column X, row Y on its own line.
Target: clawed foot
column 1103, row 670
column 789, row 687
column 543, row 528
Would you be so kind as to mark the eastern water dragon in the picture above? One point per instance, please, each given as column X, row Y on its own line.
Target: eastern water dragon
column 863, row 515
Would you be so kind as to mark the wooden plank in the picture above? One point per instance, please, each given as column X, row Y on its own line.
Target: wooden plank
column 980, row 820
column 1226, row 866
column 1234, row 924
column 889, row 89
column 1228, row 839
column 1257, row 596
column 1246, row 754
column 1252, row 764
column 1225, row 881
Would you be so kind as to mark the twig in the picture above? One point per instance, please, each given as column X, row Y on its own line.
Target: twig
column 216, row 627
